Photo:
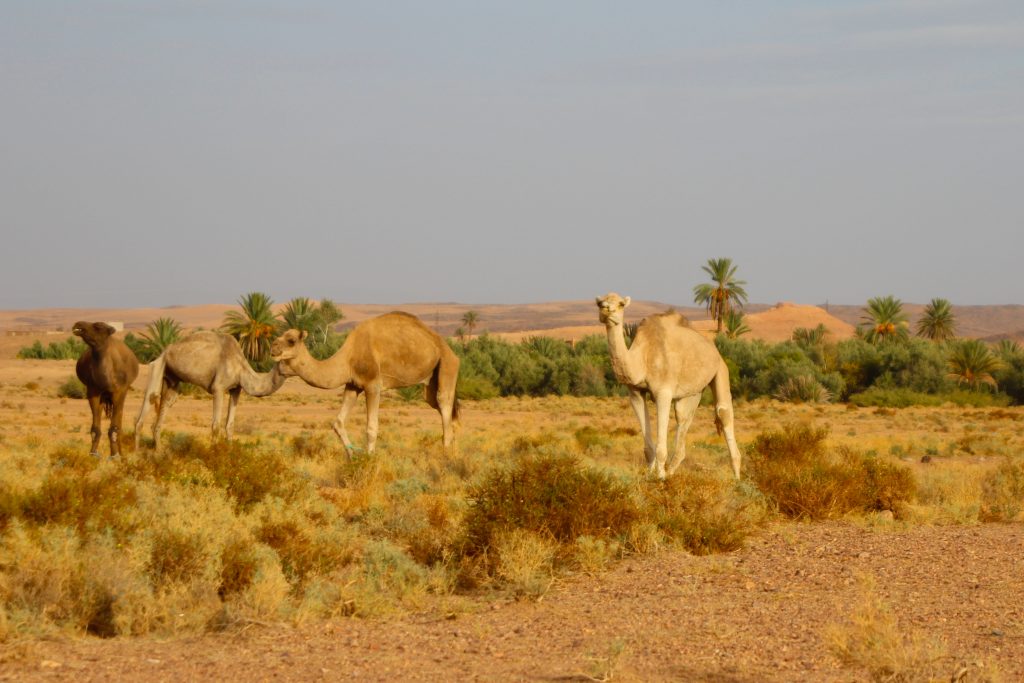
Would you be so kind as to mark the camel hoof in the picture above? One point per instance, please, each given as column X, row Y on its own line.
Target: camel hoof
column 95, row 454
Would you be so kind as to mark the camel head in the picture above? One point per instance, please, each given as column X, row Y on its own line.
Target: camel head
column 286, row 348
column 611, row 306
column 93, row 334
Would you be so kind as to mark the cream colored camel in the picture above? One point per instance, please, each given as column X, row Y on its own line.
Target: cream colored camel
column 387, row 352
column 672, row 363
column 213, row 361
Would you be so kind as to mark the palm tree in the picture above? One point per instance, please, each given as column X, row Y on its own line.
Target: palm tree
column 885, row 320
column 938, row 322
column 723, row 292
column 1008, row 349
column 159, row 334
column 972, row 362
column 299, row 314
column 254, row 326
column 808, row 337
column 470, row 319
column 735, row 326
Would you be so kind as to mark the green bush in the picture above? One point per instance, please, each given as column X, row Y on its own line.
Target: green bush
column 71, row 388
column 803, row 479
column 69, row 349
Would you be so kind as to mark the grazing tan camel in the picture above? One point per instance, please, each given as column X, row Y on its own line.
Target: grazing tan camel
column 107, row 369
column 213, row 361
column 387, row 352
column 672, row 363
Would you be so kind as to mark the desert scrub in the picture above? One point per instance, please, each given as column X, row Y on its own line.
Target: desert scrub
column 804, row 479
column 874, row 641
column 548, row 494
column 71, row 388
column 703, row 513
column 1002, row 492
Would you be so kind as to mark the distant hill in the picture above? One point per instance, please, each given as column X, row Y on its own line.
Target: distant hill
column 565, row 319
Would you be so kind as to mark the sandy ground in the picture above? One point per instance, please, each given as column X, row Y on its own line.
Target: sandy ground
column 759, row 614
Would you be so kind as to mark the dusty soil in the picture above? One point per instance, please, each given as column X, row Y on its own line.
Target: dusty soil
column 758, row 614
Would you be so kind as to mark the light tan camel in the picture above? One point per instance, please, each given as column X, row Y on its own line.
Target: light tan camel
column 387, row 352
column 107, row 369
column 213, row 361
column 672, row 363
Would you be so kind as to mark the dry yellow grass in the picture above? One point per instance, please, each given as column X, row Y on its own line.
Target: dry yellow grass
column 176, row 543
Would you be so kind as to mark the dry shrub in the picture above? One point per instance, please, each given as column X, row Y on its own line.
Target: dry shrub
column 314, row 446
column 803, row 479
column 703, row 513
column 874, row 641
column 593, row 555
column 432, row 539
column 71, row 388
column 531, row 442
column 94, row 501
column 524, row 561
column 551, row 495
column 589, row 437
column 305, row 536
column 1002, row 492
column 246, row 472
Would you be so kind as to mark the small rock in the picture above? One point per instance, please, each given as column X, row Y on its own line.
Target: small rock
column 998, row 633
column 49, row 664
column 864, row 555
column 887, row 515
column 926, row 458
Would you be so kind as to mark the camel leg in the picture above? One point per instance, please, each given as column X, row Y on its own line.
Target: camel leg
column 348, row 399
column 229, row 428
column 372, row 423
column 724, row 415
column 116, row 415
column 97, row 412
column 447, row 379
column 167, row 398
column 663, row 408
column 218, row 409
column 639, row 404
column 140, row 420
column 685, row 408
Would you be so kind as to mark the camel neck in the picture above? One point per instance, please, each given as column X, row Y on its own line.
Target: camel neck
column 323, row 374
column 621, row 365
column 261, row 383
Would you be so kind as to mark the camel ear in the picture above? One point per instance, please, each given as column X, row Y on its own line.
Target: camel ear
column 625, row 302
column 303, row 334
column 108, row 329
column 597, row 300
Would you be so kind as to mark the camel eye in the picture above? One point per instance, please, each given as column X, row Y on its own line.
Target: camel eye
column 291, row 342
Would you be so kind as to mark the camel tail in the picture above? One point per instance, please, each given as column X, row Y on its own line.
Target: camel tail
column 107, row 401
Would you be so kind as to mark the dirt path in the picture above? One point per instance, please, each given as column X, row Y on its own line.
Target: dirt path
column 754, row 615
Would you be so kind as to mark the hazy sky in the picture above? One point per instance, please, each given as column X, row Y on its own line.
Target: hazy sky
column 157, row 152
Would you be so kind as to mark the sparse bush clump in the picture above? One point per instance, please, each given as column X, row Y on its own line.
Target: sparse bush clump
column 71, row 388
column 703, row 513
column 805, row 480
column 876, row 642
column 1002, row 492
column 550, row 495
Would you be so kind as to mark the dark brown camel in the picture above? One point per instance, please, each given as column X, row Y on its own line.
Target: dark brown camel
column 107, row 369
